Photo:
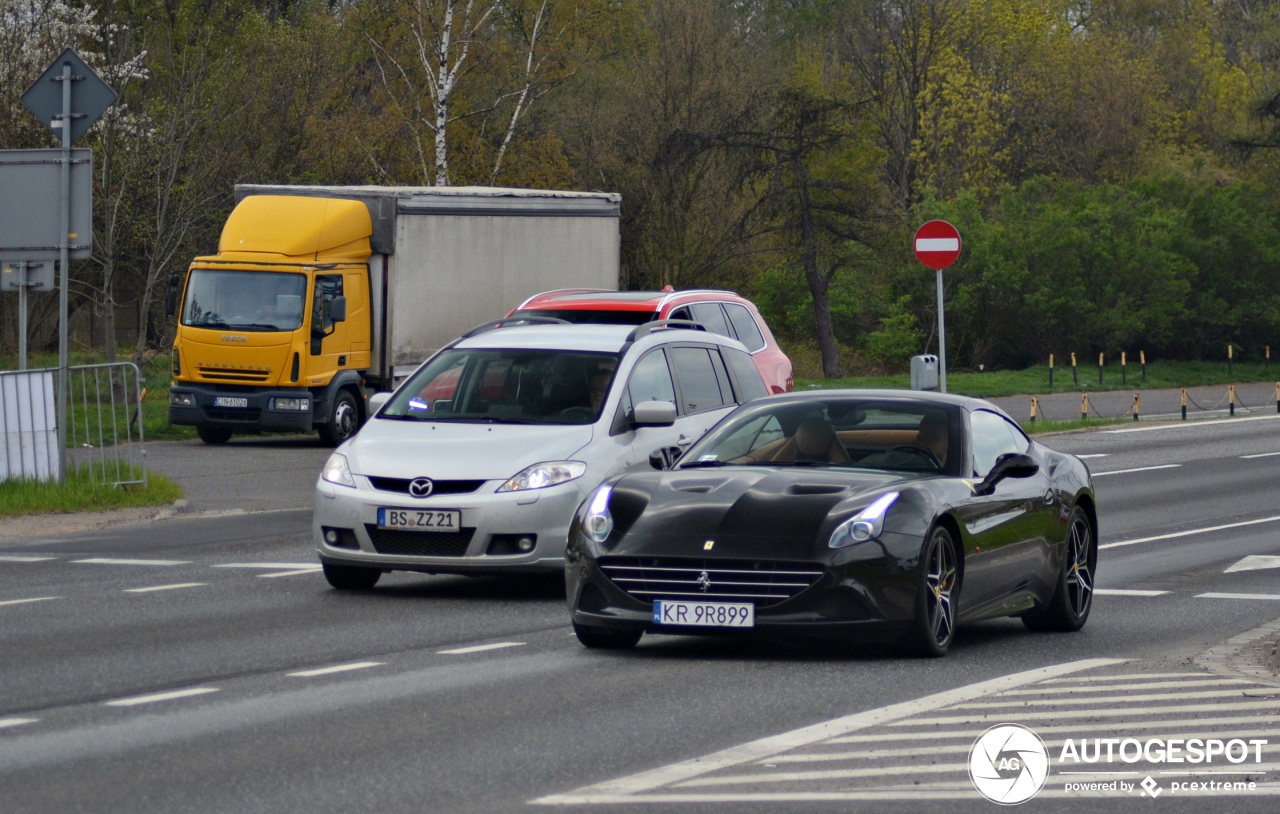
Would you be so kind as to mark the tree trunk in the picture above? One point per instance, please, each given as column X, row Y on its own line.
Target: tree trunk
column 818, row 284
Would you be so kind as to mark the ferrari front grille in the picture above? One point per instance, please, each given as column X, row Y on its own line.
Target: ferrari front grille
column 764, row 582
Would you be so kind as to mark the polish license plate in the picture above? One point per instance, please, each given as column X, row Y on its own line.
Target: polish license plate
column 230, row 401
column 420, row 519
column 704, row 614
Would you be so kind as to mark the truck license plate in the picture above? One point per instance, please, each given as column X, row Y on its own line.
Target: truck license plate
column 704, row 614
column 420, row 519
column 230, row 401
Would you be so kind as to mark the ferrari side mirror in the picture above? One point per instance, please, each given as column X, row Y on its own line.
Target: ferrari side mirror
column 1009, row 465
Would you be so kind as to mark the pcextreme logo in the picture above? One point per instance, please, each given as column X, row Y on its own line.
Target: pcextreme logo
column 1008, row 764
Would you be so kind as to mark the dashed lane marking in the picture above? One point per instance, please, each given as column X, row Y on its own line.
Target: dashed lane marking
column 1126, row 592
column 1255, row 562
column 24, row 558
column 115, row 561
column 1260, row 455
column 270, row 566
column 173, row 587
column 1137, row 469
column 5, row 723
column 341, row 668
column 479, row 648
column 1214, row 595
column 298, row 572
column 1190, row 532
column 1094, row 455
column 25, row 601
column 160, row 696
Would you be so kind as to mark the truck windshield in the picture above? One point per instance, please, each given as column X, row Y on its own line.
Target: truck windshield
column 516, row 386
column 244, row 300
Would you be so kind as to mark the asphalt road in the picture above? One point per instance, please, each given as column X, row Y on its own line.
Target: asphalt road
column 202, row 664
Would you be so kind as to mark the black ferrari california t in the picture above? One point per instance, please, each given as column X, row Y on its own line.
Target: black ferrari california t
column 863, row 515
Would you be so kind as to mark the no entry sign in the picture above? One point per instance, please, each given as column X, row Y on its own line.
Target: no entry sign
column 937, row 244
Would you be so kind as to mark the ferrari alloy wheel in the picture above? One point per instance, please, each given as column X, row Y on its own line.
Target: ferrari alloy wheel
column 935, row 624
column 603, row 638
column 1069, row 608
column 351, row 577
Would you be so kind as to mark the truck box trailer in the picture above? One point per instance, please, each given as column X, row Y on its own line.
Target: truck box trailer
column 318, row 295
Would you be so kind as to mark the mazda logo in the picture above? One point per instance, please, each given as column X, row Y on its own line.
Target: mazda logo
column 420, row 487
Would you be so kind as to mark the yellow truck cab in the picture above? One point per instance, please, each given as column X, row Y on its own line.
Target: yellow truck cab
column 291, row 325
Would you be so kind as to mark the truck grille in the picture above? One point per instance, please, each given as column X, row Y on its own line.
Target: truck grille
column 419, row 543
column 438, row 487
column 763, row 582
column 249, row 415
column 245, row 376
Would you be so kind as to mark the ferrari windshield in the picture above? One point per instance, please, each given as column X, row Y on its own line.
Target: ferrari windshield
column 244, row 300
column 511, row 386
column 906, row 435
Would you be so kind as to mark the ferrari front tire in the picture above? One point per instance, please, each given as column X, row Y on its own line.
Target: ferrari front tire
column 937, row 597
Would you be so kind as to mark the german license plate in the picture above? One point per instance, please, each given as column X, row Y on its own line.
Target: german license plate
column 704, row 614
column 230, row 401
column 420, row 519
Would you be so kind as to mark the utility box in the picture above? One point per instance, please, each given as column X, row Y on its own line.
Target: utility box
column 924, row 372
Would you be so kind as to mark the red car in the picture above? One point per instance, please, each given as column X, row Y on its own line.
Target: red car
column 723, row 312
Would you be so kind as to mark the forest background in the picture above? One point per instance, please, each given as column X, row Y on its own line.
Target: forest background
column 1111, row 164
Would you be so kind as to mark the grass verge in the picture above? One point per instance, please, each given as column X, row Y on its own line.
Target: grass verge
column 84, row 492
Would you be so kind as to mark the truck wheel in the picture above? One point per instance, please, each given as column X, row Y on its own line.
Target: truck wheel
column 344, row 419
column 214, row 435
column 351, row 577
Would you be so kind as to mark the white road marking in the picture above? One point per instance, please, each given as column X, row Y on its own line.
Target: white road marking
column 479, row 648
column 1124, row 677
column 1260, row 455
column 1145, row 685
column 1088, row 728
column 175, row 586
column 1212, row 595
column 922, row 791
column 17, row 558
column 25, row 601
column 341, row 668
column 1197, row 423
column 290, row 573
column 1255, row 562
column 1094, row 455
column 1191, row 532
column 979, row 717
column 1137, row 469
column 1126, row 592
column 1048, row 702
column 5, row 723
column 114, row 561
column 160, row 696
column 628, row 789
column 270, row 566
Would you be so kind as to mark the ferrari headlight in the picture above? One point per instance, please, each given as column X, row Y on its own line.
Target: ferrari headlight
column 865, row 525
column 597, row 522
column 540, row 476
column 336, row 471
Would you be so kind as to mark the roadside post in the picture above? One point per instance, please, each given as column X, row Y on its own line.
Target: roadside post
column 937, row 246
column 1231, row 399
column 21, row 275
column 1230, row 349
column 1075, row 376
column 1084, row 407
column 1100, row 362
column 1137, row 405
column 1184, row 401
column 68, row 98
column 1142, row 357
column 1051, row 370
column 1124, row 370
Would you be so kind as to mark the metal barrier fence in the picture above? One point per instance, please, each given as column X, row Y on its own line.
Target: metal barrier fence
column 104, row 424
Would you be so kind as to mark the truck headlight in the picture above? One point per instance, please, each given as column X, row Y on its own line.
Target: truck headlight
column 336, row 471
column 295, row 404
column 181, row 399
column 597, row 522
column 540, row 476
column 865, row 525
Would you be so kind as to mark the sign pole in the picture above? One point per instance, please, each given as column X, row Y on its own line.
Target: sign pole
column 64, row 272
column 942, row 339
column 22, row 314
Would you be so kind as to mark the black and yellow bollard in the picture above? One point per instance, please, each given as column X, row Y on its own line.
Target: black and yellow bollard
column 1142, row 357
column 1278, row 397
column 1231, row 398
column 1137, row 405
column 1124, row 371
column 1075, row 378
column 1084, row 407
column 1035, row 407
column 1184, row 403
column 1230, row 350
column 1051, row 370
column 1100, row 363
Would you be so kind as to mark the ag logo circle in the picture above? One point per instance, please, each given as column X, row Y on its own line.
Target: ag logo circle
column 1008, row 764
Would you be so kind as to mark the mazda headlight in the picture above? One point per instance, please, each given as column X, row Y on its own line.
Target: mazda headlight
column 540, row 476
column 336, row 471
column 597, row 522
column 865, row 525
